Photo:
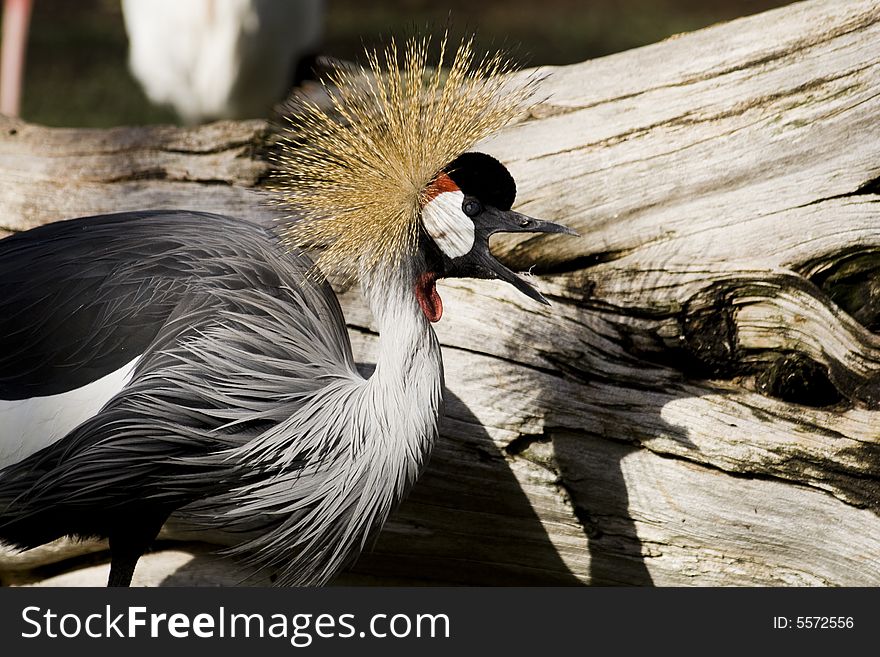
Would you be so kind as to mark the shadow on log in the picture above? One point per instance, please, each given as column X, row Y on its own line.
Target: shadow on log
column 701, row 403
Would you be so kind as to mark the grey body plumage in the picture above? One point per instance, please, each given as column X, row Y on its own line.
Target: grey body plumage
column 247, row 413
column 345, row 452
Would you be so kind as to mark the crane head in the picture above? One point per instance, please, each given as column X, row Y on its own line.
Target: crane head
column 467, row 203
column 381, row 176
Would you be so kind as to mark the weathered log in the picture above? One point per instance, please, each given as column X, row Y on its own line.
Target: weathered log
column 701, row 403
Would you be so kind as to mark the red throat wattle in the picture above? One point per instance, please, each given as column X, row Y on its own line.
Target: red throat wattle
column 429, row 300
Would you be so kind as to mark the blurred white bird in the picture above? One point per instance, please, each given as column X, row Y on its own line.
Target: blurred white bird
column 220, row 59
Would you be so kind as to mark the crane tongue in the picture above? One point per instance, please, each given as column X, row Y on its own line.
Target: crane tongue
column 429, row 300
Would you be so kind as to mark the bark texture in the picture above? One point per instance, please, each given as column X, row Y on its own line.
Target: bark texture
column 700, row 404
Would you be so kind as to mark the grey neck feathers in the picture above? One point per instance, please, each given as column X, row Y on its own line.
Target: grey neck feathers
column 347, row 454
column 408, row 348
column 406, row 387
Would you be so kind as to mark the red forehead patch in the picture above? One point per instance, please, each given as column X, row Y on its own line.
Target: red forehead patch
column 440, row 184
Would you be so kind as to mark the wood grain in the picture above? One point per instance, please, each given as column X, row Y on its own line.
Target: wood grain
column 701, row 403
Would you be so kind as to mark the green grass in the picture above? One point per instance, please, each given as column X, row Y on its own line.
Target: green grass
column 77, row 70
column 540, row 32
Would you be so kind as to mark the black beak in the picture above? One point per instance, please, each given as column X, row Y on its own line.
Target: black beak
column 479, row 262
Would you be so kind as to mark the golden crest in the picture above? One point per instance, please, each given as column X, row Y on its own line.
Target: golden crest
column 352, row 174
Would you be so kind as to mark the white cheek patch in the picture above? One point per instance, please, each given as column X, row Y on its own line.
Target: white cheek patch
column 448, row 225
column 29, row 425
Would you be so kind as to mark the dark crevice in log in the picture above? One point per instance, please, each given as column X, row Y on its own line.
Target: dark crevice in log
column 870, row 187
column 537, row 449
column 796, row 379
column 712, row 347
column 164, row 175
column 860, row 486
column 156, row 173
column 249, row 147
column 708, row 334
column 852, row 281
column 859, row 489
column 868, row 392
column 523, row 442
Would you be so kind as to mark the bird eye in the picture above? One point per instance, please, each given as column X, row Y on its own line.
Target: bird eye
column 471, row 207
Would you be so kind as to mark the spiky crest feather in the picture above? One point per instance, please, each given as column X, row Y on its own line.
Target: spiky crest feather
column 353, row 175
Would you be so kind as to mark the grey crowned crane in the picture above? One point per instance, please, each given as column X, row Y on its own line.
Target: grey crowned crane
column 163, row 362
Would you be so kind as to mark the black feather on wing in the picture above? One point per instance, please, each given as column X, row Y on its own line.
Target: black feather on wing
column 81, row 298
column 227, row 325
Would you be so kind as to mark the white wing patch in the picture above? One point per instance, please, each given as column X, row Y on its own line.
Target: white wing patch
column 448, row 225
column 29, row 425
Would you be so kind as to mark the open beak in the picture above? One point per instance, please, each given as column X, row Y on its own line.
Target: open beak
column 480, row 263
